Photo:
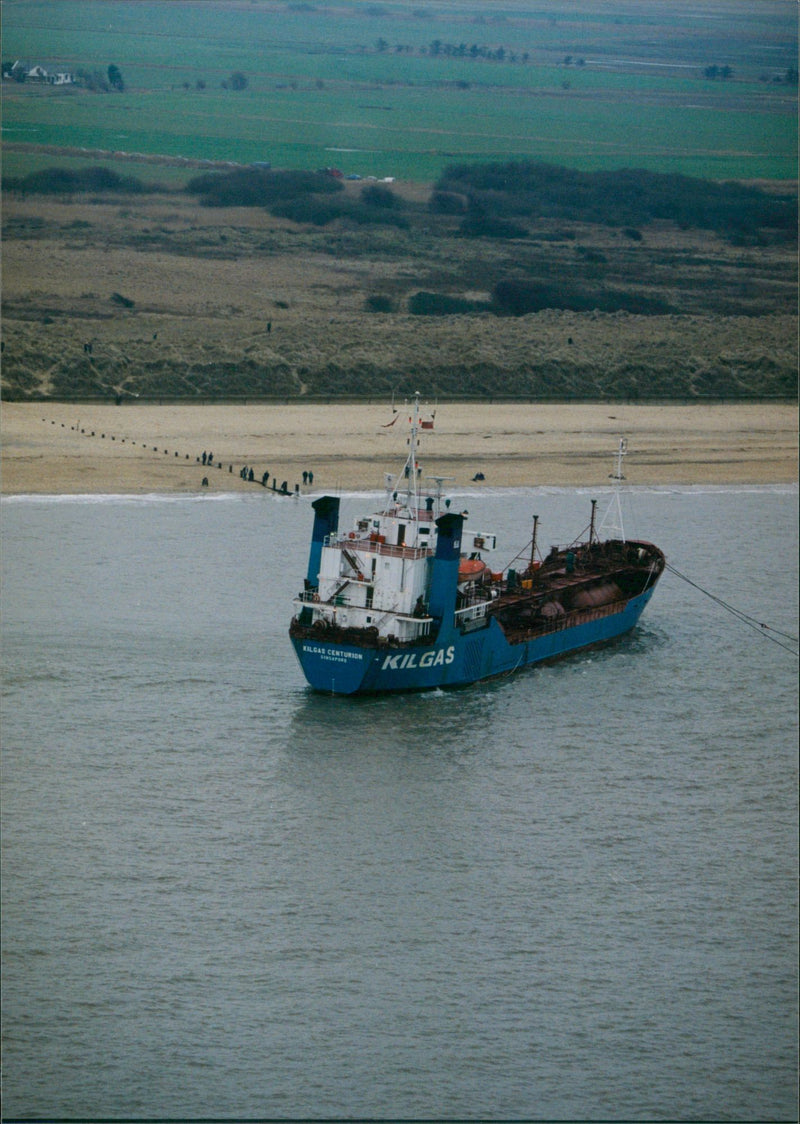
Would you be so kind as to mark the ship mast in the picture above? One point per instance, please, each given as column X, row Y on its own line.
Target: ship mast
column 611, row 523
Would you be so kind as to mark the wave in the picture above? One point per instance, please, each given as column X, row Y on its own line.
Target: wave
column 467, row 493
column 143, row 499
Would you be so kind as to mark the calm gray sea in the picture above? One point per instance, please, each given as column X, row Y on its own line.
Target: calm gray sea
column 567, row 894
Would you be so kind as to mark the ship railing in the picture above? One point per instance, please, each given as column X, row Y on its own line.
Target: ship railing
column 565, row 621
column 475, row 595
column 415, row 628
column 422, row 515
column 471, row 613
column 577, row 616
column 306, row 596
column 375, row 546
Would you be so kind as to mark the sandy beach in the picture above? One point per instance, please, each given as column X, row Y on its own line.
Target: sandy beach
column 57, row 448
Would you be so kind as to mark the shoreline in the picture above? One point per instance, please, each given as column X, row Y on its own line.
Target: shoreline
column 68, row 449
column 466, row 491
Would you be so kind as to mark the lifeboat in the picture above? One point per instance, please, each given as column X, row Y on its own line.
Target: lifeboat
column 470, row 569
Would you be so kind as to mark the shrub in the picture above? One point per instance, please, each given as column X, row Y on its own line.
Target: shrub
column 379, row 303
column 66, row 181
column 446, row 203
column 482, row 226
column 257, row 187
column 440, row 304
column 376, row 196
column 320, row 212
column 595, row 257
column 516, row 297
column 308, row 209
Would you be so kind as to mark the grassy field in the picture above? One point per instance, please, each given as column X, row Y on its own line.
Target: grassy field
column 231, row 302
column 397, row 90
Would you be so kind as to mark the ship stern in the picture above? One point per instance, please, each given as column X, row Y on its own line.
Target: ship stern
column 334, row 669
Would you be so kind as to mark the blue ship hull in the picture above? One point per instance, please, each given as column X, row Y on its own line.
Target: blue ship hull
column 406, row 601
column 456, row 658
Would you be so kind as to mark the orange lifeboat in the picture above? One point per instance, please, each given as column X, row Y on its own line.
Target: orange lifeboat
column 470, row 569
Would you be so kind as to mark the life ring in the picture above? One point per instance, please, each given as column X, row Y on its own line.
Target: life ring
column 315, row 597
column 352, row 535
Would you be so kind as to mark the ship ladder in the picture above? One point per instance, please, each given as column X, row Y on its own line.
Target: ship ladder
column 352, row 562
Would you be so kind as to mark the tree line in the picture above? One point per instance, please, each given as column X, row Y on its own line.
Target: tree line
column 509, row 195
column 498, row 200
column 437, row 48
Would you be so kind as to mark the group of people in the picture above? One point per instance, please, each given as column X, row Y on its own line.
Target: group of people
column 247, row 473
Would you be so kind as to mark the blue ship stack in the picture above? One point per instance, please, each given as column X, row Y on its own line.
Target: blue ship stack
column 407, row 599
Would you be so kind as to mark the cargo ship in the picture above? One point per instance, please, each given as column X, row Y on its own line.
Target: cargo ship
column 408, row 599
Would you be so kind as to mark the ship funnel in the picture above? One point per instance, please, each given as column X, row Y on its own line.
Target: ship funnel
column 326, row 522
column 444, row 581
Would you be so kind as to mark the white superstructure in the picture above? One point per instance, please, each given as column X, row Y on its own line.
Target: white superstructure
column 378, row 574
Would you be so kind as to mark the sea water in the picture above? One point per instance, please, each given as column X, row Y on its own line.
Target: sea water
column 570, row 893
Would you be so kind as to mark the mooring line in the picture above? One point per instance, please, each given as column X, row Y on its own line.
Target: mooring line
column 759, row 626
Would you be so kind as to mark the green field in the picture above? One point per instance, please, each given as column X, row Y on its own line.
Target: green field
column 402, row 89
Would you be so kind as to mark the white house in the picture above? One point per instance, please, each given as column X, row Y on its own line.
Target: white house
column 38, row 74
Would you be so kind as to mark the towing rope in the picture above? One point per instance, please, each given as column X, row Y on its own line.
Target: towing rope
column 751, row 622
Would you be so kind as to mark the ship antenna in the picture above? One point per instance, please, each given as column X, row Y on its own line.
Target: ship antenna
column 612, row 520
column 411, row 463
column 438, row 481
